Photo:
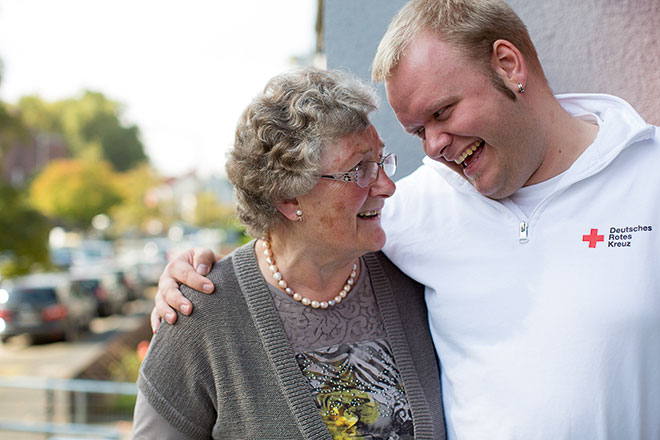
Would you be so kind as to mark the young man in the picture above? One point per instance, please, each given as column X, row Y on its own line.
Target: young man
column 533, row 222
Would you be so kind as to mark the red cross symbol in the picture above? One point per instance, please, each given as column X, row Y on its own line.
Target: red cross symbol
column 593, row 238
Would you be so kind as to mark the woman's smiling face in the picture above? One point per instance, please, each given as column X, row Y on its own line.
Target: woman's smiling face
column 340, row 217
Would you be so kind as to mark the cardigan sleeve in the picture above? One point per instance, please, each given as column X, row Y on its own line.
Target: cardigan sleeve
column 175, row 379
column 149, row 424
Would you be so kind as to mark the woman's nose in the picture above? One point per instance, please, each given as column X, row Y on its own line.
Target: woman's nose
column 383, row 186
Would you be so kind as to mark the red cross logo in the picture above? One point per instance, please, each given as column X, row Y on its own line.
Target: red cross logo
column 593, row 238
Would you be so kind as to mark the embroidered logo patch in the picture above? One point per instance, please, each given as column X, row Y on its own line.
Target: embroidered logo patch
column 617, row 237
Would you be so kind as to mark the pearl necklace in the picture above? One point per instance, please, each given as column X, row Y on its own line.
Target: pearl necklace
column 297, row 296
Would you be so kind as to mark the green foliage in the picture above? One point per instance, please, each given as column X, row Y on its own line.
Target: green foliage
column 243, row 237
column 126, row 367
column 122, row 148
column 23, row 234
column 75, row 190
column 211, row 213
column 39, row 115
column 136, row 207
column 91, row 126
column 12, row 129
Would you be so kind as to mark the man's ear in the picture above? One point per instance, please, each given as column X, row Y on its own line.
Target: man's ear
column 509, row 63
column 288, row 208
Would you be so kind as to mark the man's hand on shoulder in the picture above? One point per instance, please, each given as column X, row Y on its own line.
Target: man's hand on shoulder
column 189, row 268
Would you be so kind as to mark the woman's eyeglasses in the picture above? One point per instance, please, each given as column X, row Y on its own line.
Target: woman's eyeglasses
column 367, row 172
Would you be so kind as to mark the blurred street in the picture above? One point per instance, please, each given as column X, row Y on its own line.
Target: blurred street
column 63, row 359
column 21, row 357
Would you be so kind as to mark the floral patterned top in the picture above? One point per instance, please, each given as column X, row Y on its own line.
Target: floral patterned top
column 344, row 353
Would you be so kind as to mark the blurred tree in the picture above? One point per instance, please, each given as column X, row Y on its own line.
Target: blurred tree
column 23, row 231
column 136, row 207
column 12, row 128
column 40, row 115
column 211, row 213
column 23, row 234
column 75, row 190
column 91, row 125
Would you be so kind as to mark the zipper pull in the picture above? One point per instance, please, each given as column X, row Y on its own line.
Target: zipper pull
column 523, row 232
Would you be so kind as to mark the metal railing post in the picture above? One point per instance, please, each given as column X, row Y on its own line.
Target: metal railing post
column 50, row 405
column 80, row 408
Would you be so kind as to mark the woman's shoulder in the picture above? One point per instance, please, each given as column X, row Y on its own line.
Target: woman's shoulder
column 225, row 293
column 229, row 276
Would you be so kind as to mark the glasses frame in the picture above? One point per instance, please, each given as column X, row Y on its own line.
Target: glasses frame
column 352, row 175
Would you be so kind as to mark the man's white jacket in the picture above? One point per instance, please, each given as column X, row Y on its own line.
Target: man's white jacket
column 547, row 325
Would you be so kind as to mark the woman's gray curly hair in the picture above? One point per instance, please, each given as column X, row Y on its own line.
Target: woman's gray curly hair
column 281, row 136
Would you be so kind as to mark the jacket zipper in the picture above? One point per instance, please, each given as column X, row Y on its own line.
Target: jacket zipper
column 524, row 232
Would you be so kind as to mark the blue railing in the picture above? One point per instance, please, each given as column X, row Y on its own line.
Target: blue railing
column 79, row 428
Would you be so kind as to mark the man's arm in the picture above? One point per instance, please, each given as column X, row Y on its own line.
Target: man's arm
column 186, row 268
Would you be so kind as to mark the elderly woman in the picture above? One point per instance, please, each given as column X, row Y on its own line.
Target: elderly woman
column 315, row 334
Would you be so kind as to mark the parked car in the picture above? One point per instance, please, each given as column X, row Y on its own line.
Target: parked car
column 104, row 286
column 128, row 277
column 93, row 252
column 44, row 306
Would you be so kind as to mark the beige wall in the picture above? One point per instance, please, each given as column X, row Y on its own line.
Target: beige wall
column 608, row 46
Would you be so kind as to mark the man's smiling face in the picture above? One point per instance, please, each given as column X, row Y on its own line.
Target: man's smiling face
column 463, row 120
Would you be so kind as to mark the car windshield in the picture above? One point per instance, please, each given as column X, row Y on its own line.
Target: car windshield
column 87, row 284
column 33, row 296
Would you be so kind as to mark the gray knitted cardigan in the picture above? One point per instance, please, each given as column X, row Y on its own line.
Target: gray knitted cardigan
column 227, row 371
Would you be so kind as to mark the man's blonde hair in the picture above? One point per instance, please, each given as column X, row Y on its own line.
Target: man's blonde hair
column 472, row 26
